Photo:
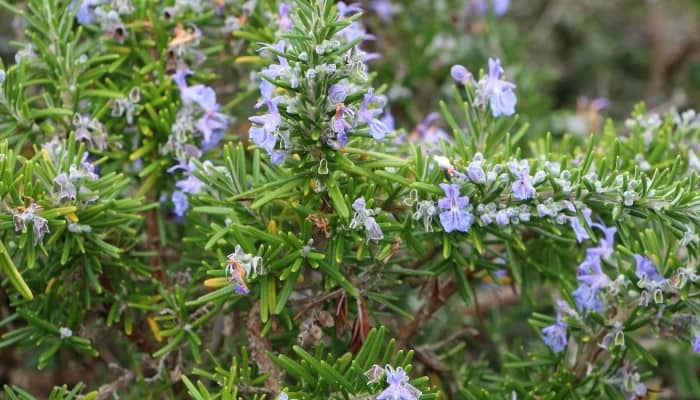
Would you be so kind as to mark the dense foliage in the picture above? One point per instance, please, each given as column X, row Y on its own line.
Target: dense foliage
column 222, row 200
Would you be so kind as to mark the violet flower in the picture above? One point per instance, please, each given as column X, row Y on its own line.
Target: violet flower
column 180, row 203
column 555, row 335
column 384, row 9
column 399, row 388
column 455, row 216
column 368, row 115
column 646, row 270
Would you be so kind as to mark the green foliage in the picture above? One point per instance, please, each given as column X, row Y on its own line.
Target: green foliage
column 289, row 269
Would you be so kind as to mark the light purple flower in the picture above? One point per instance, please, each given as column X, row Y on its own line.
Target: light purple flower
column 646, row 270
column 579, row 230
column 262, row 138
column 499, row 92
column 85, row 14
column 180, row 203
column 502, row 218
column 606, row 245
column 212, row 126
column 364, row 218
column 430, row 133
column 586, row 299
column 460, row 74
column 202, row 95
column 191, row 185
column 555, row 335
column 270, row 121
column 522, row 186
column 383, row 8
column 340, row 125
column 377, row 129
column 285, row 23
column 373, row 231
column 591, row 273
column 388, row 120
column 696, row 343
column 475, row 171
column 345, row 9
column 499, row 7
column 455, row 216
column 399, row 388
column 338, row 92
column 66, row 188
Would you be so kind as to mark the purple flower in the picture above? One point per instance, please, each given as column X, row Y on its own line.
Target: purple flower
column 270, row 121
column 455, row 216
column 364, row 218
column 211, row 125
column 399, row 388
column 522, row 186
column 461, row 74
column 591, row 273
column 377, row 129
column 199, row 94
column 555, row 335
column 696, row 343
column 499, row 92
column 372, row 230
column 66, row 187
column 499, row 7
column 339, row 125
column 646, row 271
column 606, row 245
column 241, row 289
column 475, row 171
column 502, row 218
column 430, row 133
column 191, row 185
column 285, row 23
column 383, row 8
column 85, row 13
column 180, row 203
column 338, row 92
column 579, row 230
column 262, row 138
column 345, row 9
column 388, row 120
column 586, row 299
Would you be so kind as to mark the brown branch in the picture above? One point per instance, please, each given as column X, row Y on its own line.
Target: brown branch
column 259, row 345
column 440, row 295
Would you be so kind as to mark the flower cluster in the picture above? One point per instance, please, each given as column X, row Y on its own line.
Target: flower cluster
column 590, row 274
column 514, row 177
column 491, row 89
column 332, row 74
column 199, row 117
column 399, row 388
